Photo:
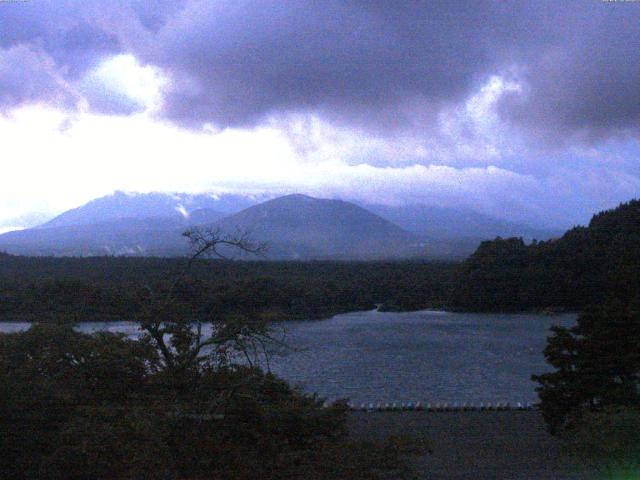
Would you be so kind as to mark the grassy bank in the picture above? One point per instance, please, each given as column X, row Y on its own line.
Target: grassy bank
column 474, row 445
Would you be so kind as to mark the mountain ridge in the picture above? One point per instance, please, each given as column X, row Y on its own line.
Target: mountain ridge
column 148, row 205
column 324, row 228
column 297, row 226
column 435, row 222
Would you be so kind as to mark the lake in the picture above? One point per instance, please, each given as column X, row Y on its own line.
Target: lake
column 428, row 356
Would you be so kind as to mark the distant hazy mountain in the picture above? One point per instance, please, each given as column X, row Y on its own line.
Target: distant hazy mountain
column 299, row 226
column 124, row 224
column 457, row 224
column 154, row 236
column 294, row 226
column 176, row 206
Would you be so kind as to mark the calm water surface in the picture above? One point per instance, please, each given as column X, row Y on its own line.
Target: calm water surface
column 428, row 356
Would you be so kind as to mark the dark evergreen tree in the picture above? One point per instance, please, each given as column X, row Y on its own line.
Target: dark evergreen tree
column 597, row 364
column 581, row 268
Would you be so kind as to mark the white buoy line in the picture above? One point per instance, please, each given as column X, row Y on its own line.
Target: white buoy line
column 438, row 407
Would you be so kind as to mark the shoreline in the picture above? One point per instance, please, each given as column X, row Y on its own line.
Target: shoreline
column 436, row 311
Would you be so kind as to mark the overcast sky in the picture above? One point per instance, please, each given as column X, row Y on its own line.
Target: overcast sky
column 523, row 110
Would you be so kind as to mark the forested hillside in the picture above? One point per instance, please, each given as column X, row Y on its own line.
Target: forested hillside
column 583, row 267
column 104, row 288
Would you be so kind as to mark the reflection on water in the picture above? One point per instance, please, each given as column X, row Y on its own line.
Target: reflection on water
column 429, row 356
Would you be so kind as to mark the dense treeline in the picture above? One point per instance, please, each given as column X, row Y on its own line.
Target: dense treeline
column 586, row 266
column 105, row 288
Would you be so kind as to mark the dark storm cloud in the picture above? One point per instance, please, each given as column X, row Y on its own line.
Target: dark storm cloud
column 28, row 75
column 585, row 79
column 61, row 40
column 234, row 63
column 44, row 46
column 69, row 32
column 241, row 60
column 372, row 62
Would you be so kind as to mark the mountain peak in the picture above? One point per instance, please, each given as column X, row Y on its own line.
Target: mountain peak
column 296, row 197
column 133, row 205
column 300, row 225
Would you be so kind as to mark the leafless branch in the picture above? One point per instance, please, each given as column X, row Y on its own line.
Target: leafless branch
column 180, row 342
column 208, row 241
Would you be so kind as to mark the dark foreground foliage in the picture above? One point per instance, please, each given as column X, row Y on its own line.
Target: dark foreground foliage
column 76, row 407
column 597, row 365
column 106, row 288
column 585, row 267
column 607, row 441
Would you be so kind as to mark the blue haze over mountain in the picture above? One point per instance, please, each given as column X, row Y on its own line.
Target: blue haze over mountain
column 294, row 227
column 455, row 224
column 299, row 226
column 177, row 206
column 124, row 224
